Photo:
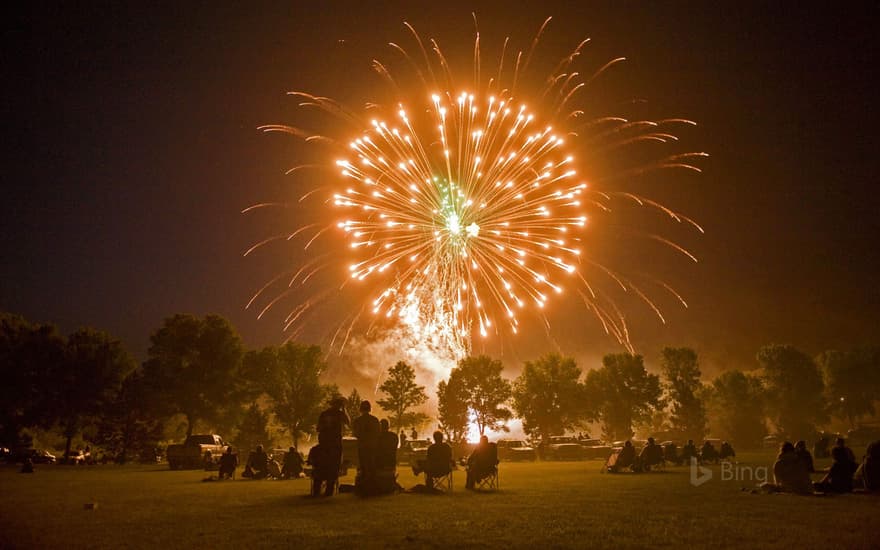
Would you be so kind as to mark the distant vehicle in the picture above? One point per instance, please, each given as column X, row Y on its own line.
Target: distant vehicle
column 413, row 450
column 37, row 456
column 595, row 448
column 195, row 452
column 515, row 450
column 772, row 441
column 350, row 457
column 565, row 448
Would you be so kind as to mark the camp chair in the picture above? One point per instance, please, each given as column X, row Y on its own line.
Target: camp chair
column 442, row 483
column 490, row 482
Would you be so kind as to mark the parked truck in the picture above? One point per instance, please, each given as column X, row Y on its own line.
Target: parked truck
column 195, row 452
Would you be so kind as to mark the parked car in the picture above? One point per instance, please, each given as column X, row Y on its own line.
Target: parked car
column 515, row 450
column 37, row 456
column 595, row 448
column 195, row 451
column 564, row 448
column 412, row 450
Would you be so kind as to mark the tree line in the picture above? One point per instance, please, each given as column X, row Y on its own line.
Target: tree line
column 199, row 374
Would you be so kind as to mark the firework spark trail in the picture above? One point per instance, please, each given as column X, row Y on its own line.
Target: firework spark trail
column 471, row 210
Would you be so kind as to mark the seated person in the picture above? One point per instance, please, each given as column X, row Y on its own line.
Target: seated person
column 325, row 469
column 800, row 449
column 622, row 458
column 386, row 452
column 651, row 455
column 790, row 473
column 257, row 466
column 293, row 464
column 839, row 478
column 228, row 464
column 689, row 451
column 670, row 453
column 726, row 451
column 869, row 471
column 438, row 462
column 841, row 442
column 482, row 462
column 708, row 453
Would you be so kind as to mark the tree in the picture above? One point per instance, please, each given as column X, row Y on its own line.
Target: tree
column 683, row 385
column 31, row 358
column 736, row 402
column 195, row 363
column 452, row 408
column 794, row 389
column 548, row 397
column 487, row 393
column 127, row 426
column 352, row 406
column 624, row 392
column 852, row 382
column 254, row 430
column 402, row 394
column 95, row 366
column 296, row 392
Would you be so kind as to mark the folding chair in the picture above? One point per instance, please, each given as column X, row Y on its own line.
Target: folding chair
column 490, row 482
column 441, row 483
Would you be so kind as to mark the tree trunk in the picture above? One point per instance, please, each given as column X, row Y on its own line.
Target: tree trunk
column 67, row 449
column 295, row 439
column 189, row 425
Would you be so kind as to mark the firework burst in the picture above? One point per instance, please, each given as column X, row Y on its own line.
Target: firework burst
column 463, row 210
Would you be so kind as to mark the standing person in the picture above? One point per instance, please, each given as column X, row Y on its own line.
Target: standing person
column 330, row 426
column 366, row 430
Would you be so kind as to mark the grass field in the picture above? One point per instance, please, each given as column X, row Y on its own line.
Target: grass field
column 568, row 504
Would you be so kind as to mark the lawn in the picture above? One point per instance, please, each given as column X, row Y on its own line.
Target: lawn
column 567, row 504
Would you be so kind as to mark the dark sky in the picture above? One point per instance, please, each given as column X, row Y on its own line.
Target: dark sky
column 131, row 146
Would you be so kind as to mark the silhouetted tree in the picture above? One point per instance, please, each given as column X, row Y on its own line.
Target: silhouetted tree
column 452, row 407
column 548, row 397
column 128, row 426
column 683, row 385
column 487, row 392
column 194, row 364
column 624, row 392
column 352, row 406
column 95, row 364
column 736, row 403
column 852, row 382
column 296, row 392
column 402, row 393
column 795, row 398
column 253, row 431
column 31, row 359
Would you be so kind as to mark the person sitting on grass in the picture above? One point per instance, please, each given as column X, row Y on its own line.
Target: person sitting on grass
column 293, row 464
column 708, row 453
column 790, row 474
column 482, row 462
column 257, row 466
column 800, row 449
column 839, row 478
column 868, row 473
column 325, row 469
column 651, row 455
column 228, row 464
column 689, row 451
column 670, row 453
column 438, row 462
column 622, row 458
column 841, row 442
column 726, row 451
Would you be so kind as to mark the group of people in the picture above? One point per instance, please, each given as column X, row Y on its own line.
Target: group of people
column 653, row 455
column 793, row 466
column 260, row 465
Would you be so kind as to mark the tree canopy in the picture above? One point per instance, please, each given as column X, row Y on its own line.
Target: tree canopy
column 486, row 392
column 682, row 373
column 794, row 390
column 402, row 393
column 624, row 392
column 548, row 396
column 736, row 401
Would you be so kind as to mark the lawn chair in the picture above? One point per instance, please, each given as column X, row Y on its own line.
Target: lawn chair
column 441, row 483
column 490, row 482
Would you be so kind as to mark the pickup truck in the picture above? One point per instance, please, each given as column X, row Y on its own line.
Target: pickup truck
column 195, row 451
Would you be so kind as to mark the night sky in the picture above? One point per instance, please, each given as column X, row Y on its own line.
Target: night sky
column 131, row 147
